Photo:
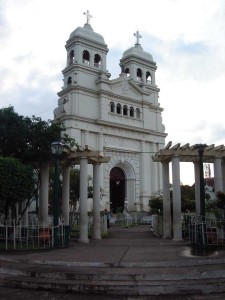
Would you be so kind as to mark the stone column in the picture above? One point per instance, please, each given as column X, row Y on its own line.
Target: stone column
column 154, row 187
column 177, row 226
column 83, row 200
column 96, row 202
column 166, row 201
column 143, row 175
column 43, row 196
column 197, row 186
column 223, row 174
column 66, row 195
column 218, row 178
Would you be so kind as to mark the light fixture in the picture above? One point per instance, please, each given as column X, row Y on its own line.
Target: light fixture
column 57, row 148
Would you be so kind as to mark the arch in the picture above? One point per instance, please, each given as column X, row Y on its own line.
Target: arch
column 117, row 189
column 139, row 74
column 97, row 61
column 125, row 110
column 148, row 77
column 128, row 193
column 86, row 57
column 112, row 107
column 138, row 113
column 69, row 80
column 118, row 108
column 71, row 57
column 127, row 71
column 131, row 111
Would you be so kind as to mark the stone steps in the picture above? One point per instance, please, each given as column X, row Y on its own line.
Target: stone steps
column 202, row 278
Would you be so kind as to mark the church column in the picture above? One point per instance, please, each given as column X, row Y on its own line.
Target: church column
column 96, row 202
column 43, row 196
column 166, row 201
column 100, row 148
column 197, row 186
column 223, row 174
column 154, row 171
column 65, row 195
column 143, row 175
column 83, row 200
column 218, row 181
column 177, row 228
column 85, row 138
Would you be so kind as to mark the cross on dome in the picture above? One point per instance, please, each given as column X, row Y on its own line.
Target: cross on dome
column 138, row 36
column 88, row 15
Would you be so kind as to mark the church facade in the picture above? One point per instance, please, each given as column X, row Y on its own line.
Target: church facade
column 119, row 117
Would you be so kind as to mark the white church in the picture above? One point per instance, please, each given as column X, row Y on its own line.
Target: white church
column 121, row 117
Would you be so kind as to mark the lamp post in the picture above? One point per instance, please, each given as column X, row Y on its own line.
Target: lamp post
column 57, row 150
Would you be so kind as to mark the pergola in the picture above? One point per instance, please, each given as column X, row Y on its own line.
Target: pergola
column 197, row 154
column 83, row 157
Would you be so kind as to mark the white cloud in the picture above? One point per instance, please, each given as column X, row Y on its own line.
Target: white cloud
column 185, row 37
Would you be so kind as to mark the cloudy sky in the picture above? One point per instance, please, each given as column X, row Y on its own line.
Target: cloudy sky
column 185, row 37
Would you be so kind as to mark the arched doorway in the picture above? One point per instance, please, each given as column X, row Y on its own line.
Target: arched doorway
column 117, row 189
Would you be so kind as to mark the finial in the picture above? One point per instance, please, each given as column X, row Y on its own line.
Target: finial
column 88, row 15
column 138, row 36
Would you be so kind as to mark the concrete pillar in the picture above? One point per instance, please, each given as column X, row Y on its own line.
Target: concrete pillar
column 166, row 201
column 154, row 186
column 43, row 196
column 223, row 174
column 197, row 186
column 66, row 195
column 83, row 200
column 218, row 178
column 177, row 226
column 96, row 202
column 143, row 181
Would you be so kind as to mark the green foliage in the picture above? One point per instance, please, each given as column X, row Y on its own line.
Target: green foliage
column 29, row 139
column 156, row 204
column 16, row 184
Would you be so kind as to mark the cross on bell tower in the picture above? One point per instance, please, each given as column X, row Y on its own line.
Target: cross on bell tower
column 138, row 36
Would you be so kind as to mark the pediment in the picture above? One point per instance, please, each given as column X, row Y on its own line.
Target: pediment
column 127, row 88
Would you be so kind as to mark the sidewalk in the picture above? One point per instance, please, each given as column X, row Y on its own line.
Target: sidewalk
column 134, row 247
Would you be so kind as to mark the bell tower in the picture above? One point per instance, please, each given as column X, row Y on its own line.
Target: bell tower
column 85, row 64
column 138, row 64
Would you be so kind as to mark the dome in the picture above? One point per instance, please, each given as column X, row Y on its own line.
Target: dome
column 88, row 33
column 137, row 50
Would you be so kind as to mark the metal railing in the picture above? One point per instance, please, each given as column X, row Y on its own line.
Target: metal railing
column 206, row 231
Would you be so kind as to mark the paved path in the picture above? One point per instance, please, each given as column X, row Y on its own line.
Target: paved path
column 135, row 247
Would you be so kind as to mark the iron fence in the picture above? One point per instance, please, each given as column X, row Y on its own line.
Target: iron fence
column 207, row 231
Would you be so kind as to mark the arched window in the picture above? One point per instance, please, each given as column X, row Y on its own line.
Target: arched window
column 131, row 111
column 125, row 110
column 69, row 80
column 112, row 107
column 86, row 57
column 139, row 74
column 97, row 61
column 71, row 57
column 127, row 71
column 148, row 77
column 118, row 108
column 138, row 113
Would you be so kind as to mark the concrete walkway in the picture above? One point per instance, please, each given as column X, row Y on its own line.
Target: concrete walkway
column 127, row 251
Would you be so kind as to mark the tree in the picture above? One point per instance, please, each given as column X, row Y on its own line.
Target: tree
column 29, row 139
column 17, row 184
